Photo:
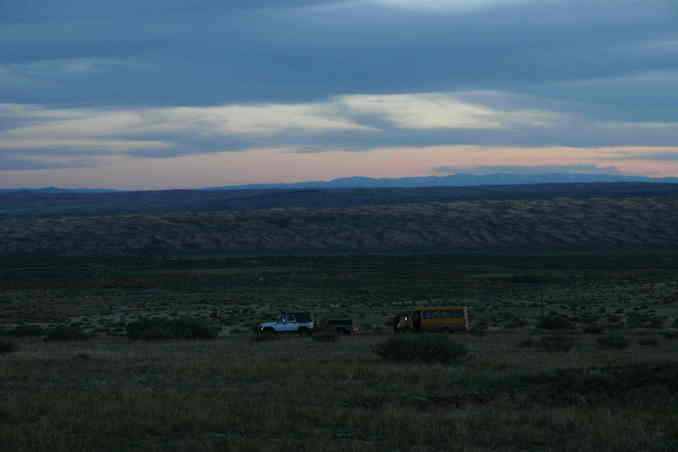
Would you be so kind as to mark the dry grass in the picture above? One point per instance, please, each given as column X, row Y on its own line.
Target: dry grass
column 231, row 393
column 298, row 394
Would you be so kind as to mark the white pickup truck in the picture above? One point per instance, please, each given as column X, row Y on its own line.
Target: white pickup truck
column 288, row 322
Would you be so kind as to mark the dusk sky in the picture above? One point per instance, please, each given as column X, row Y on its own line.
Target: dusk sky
column 191, row 93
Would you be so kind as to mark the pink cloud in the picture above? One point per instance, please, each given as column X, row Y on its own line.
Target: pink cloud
column 276, row 165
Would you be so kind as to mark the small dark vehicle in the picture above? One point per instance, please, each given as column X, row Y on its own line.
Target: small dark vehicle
column 342, row 326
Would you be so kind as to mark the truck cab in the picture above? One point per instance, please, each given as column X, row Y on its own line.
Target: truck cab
column 288, row 322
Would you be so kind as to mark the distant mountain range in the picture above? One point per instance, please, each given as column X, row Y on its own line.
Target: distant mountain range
column 455, row 180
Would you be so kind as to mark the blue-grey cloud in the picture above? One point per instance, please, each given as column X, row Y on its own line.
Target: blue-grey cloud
column 347, row 123
column 209, row 54
column 32, row 164
column 58, row 11
column 577, row 73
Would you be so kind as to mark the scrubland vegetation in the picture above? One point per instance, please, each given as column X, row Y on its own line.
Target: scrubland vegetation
column 40, row 204
column 560, row 223
column 134, row 332
column 299, row 394
column 570, row 351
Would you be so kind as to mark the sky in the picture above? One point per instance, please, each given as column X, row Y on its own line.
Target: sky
column 195, row 93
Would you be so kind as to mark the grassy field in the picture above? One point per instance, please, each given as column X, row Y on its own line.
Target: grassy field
column 511, row 392
column 299, row 394
column 102, row 295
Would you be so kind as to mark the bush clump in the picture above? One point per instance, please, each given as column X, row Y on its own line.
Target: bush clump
column 428, row 348
column 153, row 329
column 553, row 322
column 66, row 333
column 593, row 328
column 26, row 331
column 551, row 344
column 649, row 341
column 669, row 334
column 261, row 337
column 7, row 346
column 527, row 343
column 616, row 341
column 556, row 344
column 325, row 336
column 626, row 384
column 477, row 331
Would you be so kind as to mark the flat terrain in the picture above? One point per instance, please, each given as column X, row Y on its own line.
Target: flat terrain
column 109, row 393
column 102, row 295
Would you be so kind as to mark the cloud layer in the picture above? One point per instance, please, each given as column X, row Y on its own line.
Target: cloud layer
column 83, row 82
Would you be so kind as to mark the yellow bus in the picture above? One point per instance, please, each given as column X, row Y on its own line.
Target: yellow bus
column 436, row 318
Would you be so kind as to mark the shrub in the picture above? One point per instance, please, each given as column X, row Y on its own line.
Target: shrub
column 527, row 343
column 670, row 334
column 616, row 341
column 7, row 346
column 152, row 329
column 478, row 332
column 259, row 337
column 427, row 348
column 554, row 344
column 325, row 336
column 553, row 322
column 594, row 328
column 656, row 322
column 26, row 331
column 595, row 385
column 650, row 341
column 66, row 333
column 515, row 323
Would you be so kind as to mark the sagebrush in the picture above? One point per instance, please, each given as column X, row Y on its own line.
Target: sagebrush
column 428, row 348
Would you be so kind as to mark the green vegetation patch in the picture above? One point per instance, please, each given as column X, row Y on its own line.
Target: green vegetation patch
column 428, row 348
column 326, row 336
column 603, row 384
column 553, row 322
column 649, row 341
column 593, row 328
column 153, row 329
column 613, row 341
column 7, row 346
column 627, row 384
column 66, row 333
column 551, row 344
column 26, row 331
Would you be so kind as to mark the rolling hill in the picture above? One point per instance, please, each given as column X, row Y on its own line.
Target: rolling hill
column 562, row 223
column 31, row 204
